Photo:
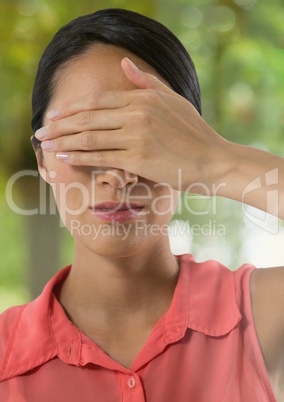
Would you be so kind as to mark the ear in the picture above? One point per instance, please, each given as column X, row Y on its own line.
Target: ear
column 36, row 144
column 42, row 166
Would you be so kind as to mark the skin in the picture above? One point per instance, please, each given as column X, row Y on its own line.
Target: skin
column 105, row 289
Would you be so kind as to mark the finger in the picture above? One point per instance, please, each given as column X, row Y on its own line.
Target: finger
column 113, row 159
column 92, row 101
column 86, row 120
column 88, row 141
column 141, row 79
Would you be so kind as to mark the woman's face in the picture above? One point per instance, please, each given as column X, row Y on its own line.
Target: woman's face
column 109, row 211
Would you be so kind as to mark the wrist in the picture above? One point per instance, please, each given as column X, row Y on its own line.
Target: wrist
column 253, row 177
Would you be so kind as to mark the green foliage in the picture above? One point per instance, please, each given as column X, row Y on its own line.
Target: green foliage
column 237, row 47
column 13, row 253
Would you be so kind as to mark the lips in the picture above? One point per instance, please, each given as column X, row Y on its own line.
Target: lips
column 117, row 212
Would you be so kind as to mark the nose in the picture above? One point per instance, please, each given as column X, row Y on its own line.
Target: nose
column 115, row 178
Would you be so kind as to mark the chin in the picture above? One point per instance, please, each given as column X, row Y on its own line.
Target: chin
column 116, row 247
column 116, row 240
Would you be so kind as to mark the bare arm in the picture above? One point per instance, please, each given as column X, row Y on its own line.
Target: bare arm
column 267, row 290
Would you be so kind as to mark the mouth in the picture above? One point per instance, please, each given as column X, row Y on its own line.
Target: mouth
column 117, row 212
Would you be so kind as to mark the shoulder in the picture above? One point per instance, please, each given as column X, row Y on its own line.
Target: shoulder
column 217, row 295
column 8, row 324
column 27, row 327
column 8, row 319
column 215, row 275
column 267, row 294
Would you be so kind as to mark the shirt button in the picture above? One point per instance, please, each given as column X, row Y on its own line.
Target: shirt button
column 131, row 383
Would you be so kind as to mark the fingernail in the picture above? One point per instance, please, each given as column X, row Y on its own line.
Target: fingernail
column 47, row 145
column 62, row 157
column 52, row 114
column 41, row 133
column 132, row 64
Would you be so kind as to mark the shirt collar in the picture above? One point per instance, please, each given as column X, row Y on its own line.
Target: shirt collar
column 204, row 301
column 31, row 341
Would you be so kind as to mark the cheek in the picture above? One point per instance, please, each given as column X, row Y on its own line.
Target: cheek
column 165, row 201
column 57, row 171
column 69, row 188
column 71, row 198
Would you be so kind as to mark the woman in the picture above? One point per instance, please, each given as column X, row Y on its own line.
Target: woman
column 118, row 133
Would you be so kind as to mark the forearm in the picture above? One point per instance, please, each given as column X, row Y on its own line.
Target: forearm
column 254, row 177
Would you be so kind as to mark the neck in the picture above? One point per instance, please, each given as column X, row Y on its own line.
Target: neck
column 99, row 286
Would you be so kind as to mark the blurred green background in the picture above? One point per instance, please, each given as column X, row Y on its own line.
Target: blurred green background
column 237, row 46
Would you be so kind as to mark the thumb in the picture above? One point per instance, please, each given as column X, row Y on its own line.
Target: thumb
column 141, row 79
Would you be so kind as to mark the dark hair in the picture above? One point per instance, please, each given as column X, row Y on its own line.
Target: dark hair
column 146, row 38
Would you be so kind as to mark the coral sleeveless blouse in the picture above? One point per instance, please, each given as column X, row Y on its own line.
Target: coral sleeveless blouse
column 204, row 348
